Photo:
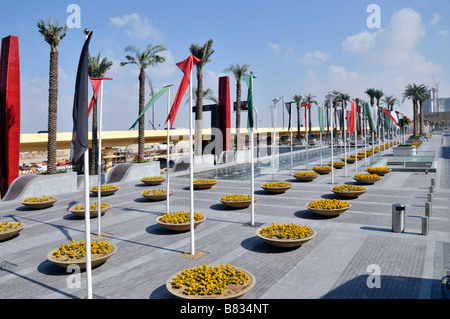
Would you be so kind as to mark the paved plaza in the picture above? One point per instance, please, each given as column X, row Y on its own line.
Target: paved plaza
column 350, row 254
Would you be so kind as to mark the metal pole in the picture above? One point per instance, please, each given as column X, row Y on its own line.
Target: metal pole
column 99, row 163
column 191, row 168
column 168, row 156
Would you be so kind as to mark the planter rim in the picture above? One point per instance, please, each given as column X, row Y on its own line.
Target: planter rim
column 82, row 264
column 329, row 212
column 179, row 227
column 286, row 242
column 10, row 233
column 44, row 204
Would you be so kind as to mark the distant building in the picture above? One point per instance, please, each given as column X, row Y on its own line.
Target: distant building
column 434, row 104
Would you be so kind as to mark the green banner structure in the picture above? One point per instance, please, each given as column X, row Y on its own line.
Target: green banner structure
column 150, row 103
column 369, row 116
column 387, row 121
column 321, row 124
column 251, row 116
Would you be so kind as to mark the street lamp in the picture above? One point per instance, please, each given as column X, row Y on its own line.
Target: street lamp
column 331, row 98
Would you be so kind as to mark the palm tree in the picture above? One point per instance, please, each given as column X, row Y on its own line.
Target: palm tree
column 208, row 94
column 298, row 100
column 390, row 102
column 203, row 53
column 413, row 92
column 326, row 104
column 334, row 106
column 96, row 69
column 144, row 59
column 310, row 100
column 238, row 72
column 53, row 35
column 424, row 96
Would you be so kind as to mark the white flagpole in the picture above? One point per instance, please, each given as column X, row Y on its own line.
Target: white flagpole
column 191, row 166
column 290, row 125
column 356, row 136
column 87, row 221
column 99, row 164
column 168, row 155
column 252, row 200
column 344, row 111
column 306, row 134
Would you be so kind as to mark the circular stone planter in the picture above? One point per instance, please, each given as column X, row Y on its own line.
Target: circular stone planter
column 93, row 212
column 349, row 160
column 226, row 295
column 276, row 190
column 337, row 166
column 40, row 205
column 204, row 185
column 285, row 243
column 10, row 233
column 155, row 182
column 179, row 227
column 322, row 171
column 307, row 178
column 95, row 259
column 238, row 204
column 349, row 194
column 367, row 181
column 157, row 197
column 329, row 212
column 379, row 172
column 105, row 192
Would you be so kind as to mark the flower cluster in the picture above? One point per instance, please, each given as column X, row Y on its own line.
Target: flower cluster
column 349, row 159
column 159, row 191
column 321, row 167
column 236, row 198
column 77, row 250
column 7, row 226
column 209, row 280
column 348, row 188
column 153, row 178
column 106, row 187
column 336, row 163
column 367, row 176
column 180, row 217
column 38, row 199
column 328, row 204
column 286, row 231
column 91, row 207
column 416, row 144
column 378, row 169
column 306, row 174
column 277, row 184
column 204, row 181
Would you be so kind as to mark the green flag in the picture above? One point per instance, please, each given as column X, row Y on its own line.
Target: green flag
column 369, row 116
column 251, row 116
column 152, row 101
column 320, row 109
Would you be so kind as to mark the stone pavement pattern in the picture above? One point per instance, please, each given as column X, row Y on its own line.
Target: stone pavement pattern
column 332, row 265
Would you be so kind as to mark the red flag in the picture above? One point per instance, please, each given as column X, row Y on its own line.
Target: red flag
column 390, row 115
column 351, row 116
column 185, row 66
column 96, row 83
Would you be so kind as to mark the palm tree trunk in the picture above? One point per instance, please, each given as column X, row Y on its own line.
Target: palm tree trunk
column 93, row 168
column 141, row 138
column 52, row 113
column 416, row 118
column 298, row 121
column 310, row 123
column 238, row 116
column 198, row 147
column 422, row 124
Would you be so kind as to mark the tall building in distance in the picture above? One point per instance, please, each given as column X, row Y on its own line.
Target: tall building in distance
column 436, row 104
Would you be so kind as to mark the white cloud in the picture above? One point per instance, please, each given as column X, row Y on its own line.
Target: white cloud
column 315, row 58
column 136, row 27
column 444, row 33
column 275, row 47
column 436, row 19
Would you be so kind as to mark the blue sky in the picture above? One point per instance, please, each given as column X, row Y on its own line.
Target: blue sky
column 293, row 47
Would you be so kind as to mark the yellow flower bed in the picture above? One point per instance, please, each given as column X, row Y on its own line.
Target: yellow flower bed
column 159, row 191
column 77, row 250
column 306, row 174
column 91, row 207
column 348, row 188
column 38, row 199
column 328, row 204
column 277, row 184
column 367, row 176
column 180, row 217
column 416, row 144
column 153, row 178
column 286, row 231
column 7, row 226
column 106, row 187
column 209, row 280
column 336, row 163
column 379, row 169
column 322, row 167
column 204, row 181
column 236, row 198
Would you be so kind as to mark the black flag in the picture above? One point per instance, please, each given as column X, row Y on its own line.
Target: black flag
column 80, row 142
column 289, row 109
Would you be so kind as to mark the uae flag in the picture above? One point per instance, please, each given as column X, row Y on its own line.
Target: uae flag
column 392, row 116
